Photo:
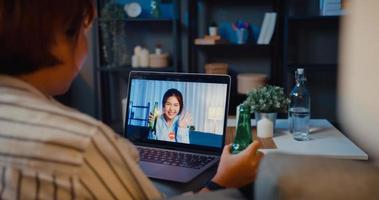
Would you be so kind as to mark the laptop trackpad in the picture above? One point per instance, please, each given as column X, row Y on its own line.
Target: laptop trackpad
column 168, row 172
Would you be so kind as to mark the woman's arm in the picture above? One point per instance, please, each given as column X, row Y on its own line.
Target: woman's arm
column 182, row 135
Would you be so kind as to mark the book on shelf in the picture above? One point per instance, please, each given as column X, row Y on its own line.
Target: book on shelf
column 209, row 40
column 331, row 7
column 267, row 28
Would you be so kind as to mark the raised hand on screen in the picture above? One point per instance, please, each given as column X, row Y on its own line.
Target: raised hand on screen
column 185, row 120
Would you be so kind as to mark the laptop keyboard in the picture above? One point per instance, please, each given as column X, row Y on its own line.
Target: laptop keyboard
column 173, row 158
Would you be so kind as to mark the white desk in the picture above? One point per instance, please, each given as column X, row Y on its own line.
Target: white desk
column 326, row 141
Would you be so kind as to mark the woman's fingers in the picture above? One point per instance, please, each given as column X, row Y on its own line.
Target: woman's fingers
column 255, row 146
column 226, row 149
column 151, row 116
column 252, row 149
column 259, row 155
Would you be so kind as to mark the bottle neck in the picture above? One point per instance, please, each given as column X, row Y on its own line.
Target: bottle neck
column 300, row 79
column 299, row 82
column 244, row 114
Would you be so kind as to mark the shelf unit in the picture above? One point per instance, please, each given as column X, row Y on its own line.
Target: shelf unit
column 292, row 46
column 112, row 79
column 310, row 41
column 241, row 58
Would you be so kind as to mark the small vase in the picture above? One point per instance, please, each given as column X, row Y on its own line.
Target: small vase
column 265, row 124
column 241, row 35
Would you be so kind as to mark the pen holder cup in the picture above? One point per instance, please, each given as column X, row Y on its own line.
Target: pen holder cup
column 241, row 35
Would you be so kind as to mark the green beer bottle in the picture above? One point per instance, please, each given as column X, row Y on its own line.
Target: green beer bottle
column 243, row 134
column 152, row 123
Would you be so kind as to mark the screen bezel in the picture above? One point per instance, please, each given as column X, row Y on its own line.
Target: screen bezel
column 181, row 77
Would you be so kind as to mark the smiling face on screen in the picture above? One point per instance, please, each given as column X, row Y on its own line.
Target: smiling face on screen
column 171, row 108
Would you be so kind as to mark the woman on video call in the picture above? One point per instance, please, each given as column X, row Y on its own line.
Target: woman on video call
column 171, row 125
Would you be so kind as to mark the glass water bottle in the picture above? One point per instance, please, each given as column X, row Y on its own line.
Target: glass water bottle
column 299, row 108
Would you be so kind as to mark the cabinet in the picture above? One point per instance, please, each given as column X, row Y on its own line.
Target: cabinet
column 310, row 41
column 302, row 38
column 118, row 34
column 241, row 58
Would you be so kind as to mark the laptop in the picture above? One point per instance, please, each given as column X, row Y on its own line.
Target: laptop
column 177, row 121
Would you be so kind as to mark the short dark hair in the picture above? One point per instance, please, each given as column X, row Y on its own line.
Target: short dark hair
column 176, row 93
column 28, row 31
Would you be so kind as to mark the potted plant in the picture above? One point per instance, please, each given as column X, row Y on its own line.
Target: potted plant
column 113, row 34
column 265, row 103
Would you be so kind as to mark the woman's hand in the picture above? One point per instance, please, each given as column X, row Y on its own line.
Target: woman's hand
column 237, row 170
column 151, row 117
column 185, row 120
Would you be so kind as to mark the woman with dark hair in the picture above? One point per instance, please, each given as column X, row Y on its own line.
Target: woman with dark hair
column 50, row 151
column 170, row 125
column 47, row 150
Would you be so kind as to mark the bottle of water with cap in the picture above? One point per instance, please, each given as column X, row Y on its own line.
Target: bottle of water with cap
column 299, row 108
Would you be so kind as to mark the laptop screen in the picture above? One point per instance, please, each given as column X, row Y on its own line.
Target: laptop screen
column 177, row 109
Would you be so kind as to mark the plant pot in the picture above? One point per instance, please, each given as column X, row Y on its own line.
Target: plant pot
column 265, row 124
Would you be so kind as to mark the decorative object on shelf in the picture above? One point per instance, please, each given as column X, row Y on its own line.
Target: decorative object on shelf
column 155, row 6
column 113, row 35
column 210, row 40
column 266, row 102
column 136, row 56
column 213, row 29
column 241, row 30
column 112, row 11
column 331, row 7
column 144, row 58
column 158, row 59
column 249, row 81
column 267, row 28
column 158, row 49
column 133, row 9
column 216, row 68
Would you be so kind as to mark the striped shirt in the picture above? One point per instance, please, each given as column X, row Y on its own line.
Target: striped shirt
column 49, row 151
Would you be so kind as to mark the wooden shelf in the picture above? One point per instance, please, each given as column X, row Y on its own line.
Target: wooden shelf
column 230, row 46
column 313, row 19
column 128, row 68
column 240, row 2
column 137, row 20
column 327, row 66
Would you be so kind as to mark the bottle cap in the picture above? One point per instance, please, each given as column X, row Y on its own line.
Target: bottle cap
column 300, row 70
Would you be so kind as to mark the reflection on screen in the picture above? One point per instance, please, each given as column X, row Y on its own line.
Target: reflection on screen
column 173, row 111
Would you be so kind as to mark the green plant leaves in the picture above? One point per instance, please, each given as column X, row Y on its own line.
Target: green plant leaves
column 267, row 99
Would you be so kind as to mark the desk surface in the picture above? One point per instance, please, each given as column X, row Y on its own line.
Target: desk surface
column 326, row 141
